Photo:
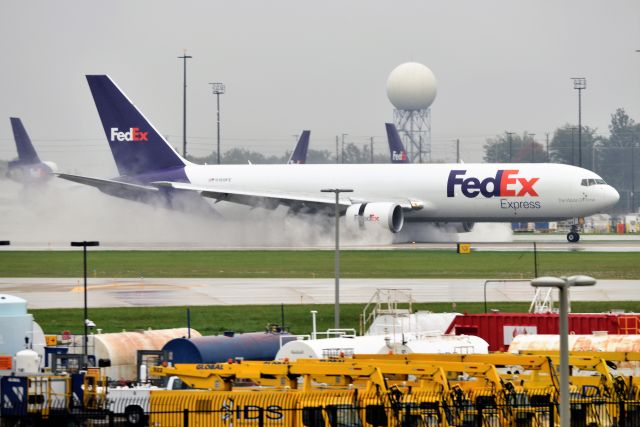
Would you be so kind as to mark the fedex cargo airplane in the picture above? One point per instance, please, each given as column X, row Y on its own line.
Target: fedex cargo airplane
column 384, row 195
column 28, row 169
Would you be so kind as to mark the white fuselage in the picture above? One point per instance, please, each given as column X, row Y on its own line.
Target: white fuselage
column 476, row 192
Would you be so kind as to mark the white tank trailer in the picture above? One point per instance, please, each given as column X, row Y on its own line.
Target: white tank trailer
column 121, row 348
column 597, row 342
column 381, row 344
column 18, row 331
column 444, row 344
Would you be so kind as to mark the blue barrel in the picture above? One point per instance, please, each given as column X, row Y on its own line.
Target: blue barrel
column 221, row 348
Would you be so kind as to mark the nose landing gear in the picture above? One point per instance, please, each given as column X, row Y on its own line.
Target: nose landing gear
column 573, row 236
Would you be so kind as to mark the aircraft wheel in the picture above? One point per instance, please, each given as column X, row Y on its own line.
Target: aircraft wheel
column 573, row 237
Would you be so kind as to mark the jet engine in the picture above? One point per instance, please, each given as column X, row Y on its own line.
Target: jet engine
column 365, row 215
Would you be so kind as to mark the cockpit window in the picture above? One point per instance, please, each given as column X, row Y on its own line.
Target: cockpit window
column 590, row 181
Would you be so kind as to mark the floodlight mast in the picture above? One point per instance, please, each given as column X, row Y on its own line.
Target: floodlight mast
column 337, row 191
column 86, row 320
column 563, row 284
column 218, row 89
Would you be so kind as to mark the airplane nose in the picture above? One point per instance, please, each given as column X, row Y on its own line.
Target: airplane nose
column 613, row 196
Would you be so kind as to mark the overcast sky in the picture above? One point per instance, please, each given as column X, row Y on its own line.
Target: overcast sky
column 323, row 66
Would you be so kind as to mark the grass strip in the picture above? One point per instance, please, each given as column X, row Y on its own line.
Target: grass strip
column 399, row 264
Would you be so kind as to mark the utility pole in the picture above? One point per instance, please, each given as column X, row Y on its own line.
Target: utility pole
column 510, row 146
column 548, row 158
column 337, row 152
column 371, row 145
column 573, row 157
column 457, row 151
column 343, row 135
column 218, row 89
column 184, row 58
column 579, row 83
column 533, row 145
column 633, row 176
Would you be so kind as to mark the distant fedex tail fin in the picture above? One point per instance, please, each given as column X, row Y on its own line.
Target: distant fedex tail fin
column 136, row 146
column 299, row 154
column 26, row 153
column 396, row 149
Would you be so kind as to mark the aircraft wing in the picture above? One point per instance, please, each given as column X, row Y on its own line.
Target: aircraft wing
column 115, row 188
column 264, row 199
column 271, row 200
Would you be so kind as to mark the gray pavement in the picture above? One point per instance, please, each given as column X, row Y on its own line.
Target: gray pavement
column 68, row 293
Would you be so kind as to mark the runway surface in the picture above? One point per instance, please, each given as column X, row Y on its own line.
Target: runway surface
column 68, row 293
column 516, row 242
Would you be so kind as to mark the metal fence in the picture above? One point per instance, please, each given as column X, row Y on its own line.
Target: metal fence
column 486, row 410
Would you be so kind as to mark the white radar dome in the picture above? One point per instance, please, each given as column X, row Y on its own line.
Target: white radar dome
column 411, row 86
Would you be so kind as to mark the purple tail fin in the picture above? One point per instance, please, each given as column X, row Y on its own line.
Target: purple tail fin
column 396, row 149
column 136, row 146
column 26, row 153
column 299, row 154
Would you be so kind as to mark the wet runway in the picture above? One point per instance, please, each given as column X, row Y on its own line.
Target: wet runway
column 68, row 293
column 516, row 242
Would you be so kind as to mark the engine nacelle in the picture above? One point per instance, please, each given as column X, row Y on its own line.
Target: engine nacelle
column 458, row 227
column 386, row 215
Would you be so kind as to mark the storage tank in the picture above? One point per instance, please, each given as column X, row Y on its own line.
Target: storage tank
column 220, row 348
column 121, row 348
column 27, row 362
column 445, row 344
column 347, row 346
column 418, row 322
column 16, row 325
column 594, row 342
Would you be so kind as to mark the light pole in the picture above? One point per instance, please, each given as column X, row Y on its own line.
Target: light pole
column 579, row 83
column 533, row 146
column 84, row 245
column 510, row 146
column 337, row 191
column 573, row 143
column 218, row 89
column 343, row 135
column 184, row 58
column 563, row 284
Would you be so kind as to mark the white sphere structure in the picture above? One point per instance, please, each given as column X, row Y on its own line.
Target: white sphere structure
column 411, row 86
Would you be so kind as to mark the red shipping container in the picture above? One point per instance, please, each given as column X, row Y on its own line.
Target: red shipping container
column 498, row 329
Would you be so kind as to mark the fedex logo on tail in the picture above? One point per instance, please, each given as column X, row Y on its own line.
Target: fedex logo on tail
column 506, row 183
column 132, row 135
column 399, row 155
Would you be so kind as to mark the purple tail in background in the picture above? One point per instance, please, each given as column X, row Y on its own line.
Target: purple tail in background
column 299, row 154
column 396, row 149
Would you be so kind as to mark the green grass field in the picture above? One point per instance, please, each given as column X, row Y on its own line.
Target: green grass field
column 304, row 264
column 296, row 263
column 212, row 320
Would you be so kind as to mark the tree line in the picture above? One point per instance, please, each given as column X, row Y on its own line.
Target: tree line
column 614, row 157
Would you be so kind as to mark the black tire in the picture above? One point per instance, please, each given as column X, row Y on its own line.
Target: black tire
column 134, row 415
column 573, row 237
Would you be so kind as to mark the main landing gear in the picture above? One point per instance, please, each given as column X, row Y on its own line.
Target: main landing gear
column 573, row 236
